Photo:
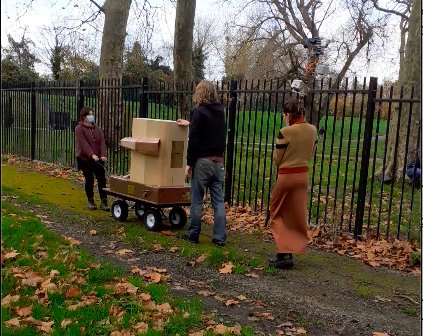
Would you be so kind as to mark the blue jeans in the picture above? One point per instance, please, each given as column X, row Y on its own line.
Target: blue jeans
column 210, row 174
column 410, row 174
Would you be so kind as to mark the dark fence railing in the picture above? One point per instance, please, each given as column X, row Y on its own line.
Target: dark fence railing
column 363, row 129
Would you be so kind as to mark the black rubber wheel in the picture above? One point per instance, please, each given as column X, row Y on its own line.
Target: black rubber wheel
column 140, row 209
column 177, row 218
column 119, row 210
column 153, row 220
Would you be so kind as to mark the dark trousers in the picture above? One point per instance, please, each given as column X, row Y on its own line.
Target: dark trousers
column 90, row 169
column 207, row 174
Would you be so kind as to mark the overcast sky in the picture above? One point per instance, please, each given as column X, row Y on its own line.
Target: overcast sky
column 46, row 12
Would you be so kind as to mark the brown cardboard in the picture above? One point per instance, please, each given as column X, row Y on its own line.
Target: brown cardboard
column 146, row 146
column 168, row 167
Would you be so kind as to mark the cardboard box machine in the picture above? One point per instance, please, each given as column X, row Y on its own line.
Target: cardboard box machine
column 157, row 174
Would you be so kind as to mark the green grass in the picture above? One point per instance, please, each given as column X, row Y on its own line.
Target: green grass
column 24, row 232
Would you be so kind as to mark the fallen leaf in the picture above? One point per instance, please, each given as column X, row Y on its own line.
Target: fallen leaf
column 116, row 311
column 47, row 285
column 227, row 268
column 211, row 322
column 116, row 333
column 157, row 248
column 201, row 258
column 165, row 307
column 174, row 249
column 191, row 263
column 65, row 323
column 33, row 321
column 53, row 274
column 46, row 326
column 379, row 334
column 82, row 330
column 198, row 333
column 136, row 270
column 8, row 300
column 270, row 318
column 95, row 266
column 141, row 328
column 109, row 252
column 286, row 324
column 154, row 277
column 259, row 268
column 220, row 329
column 252, row 275
column 93, row 232
column 205, row 293
column 13, row 322
column 301, row 331
column 231, row 302
column 73, row 292
column 167, row 233
column 124, row 251
column 10, row 255
column 23, row 311
column 280, row 332
column 241, row 297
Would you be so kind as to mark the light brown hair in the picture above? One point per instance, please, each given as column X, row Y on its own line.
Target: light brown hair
column 205, row 92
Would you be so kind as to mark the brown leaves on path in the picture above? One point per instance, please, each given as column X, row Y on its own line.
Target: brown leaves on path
column 227, row 268
column 124, row 251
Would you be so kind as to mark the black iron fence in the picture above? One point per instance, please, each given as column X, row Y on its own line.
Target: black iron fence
column 358, row 137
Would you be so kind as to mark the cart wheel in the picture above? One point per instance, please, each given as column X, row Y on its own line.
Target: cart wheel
column 119, row 210
column 140, row 210
column 177, row 217
column 153, row 220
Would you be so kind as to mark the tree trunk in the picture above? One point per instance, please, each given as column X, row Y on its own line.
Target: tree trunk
column 409, row 77
column 111, row 66
column 182, row 49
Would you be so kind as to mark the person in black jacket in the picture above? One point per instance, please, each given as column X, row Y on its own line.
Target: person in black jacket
column 414, row 170
column 206, row 147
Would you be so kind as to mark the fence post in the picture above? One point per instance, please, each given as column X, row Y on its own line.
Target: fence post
column 144, row 98
column 365, row 157
column 33, row 121
column 231, row 141
column 81, row 100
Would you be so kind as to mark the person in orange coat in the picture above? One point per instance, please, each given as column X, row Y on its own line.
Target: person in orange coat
column 295, row 146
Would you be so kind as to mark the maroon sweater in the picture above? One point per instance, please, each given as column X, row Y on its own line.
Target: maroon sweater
column 89, row 141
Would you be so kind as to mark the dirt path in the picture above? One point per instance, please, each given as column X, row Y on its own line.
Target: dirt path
column 326, row 294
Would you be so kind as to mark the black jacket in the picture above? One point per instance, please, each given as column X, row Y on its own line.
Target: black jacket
column 207, row 132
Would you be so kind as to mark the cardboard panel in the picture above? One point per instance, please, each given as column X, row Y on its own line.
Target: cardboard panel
column 177, row 154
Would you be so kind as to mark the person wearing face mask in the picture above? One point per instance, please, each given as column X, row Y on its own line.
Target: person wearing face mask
column 295, row 146
column 91, row 155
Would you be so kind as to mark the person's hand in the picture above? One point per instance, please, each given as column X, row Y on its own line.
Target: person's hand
column 182, row 122
column 188, row 171
column 95, row 157
column 103, row 158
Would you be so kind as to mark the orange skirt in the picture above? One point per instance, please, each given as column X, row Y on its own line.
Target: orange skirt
column 288, row 213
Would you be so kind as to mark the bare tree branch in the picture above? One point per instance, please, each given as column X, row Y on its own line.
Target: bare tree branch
column 389, row 11
column 97, row 5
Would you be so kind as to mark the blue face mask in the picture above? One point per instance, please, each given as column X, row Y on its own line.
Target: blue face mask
column 90, row 118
